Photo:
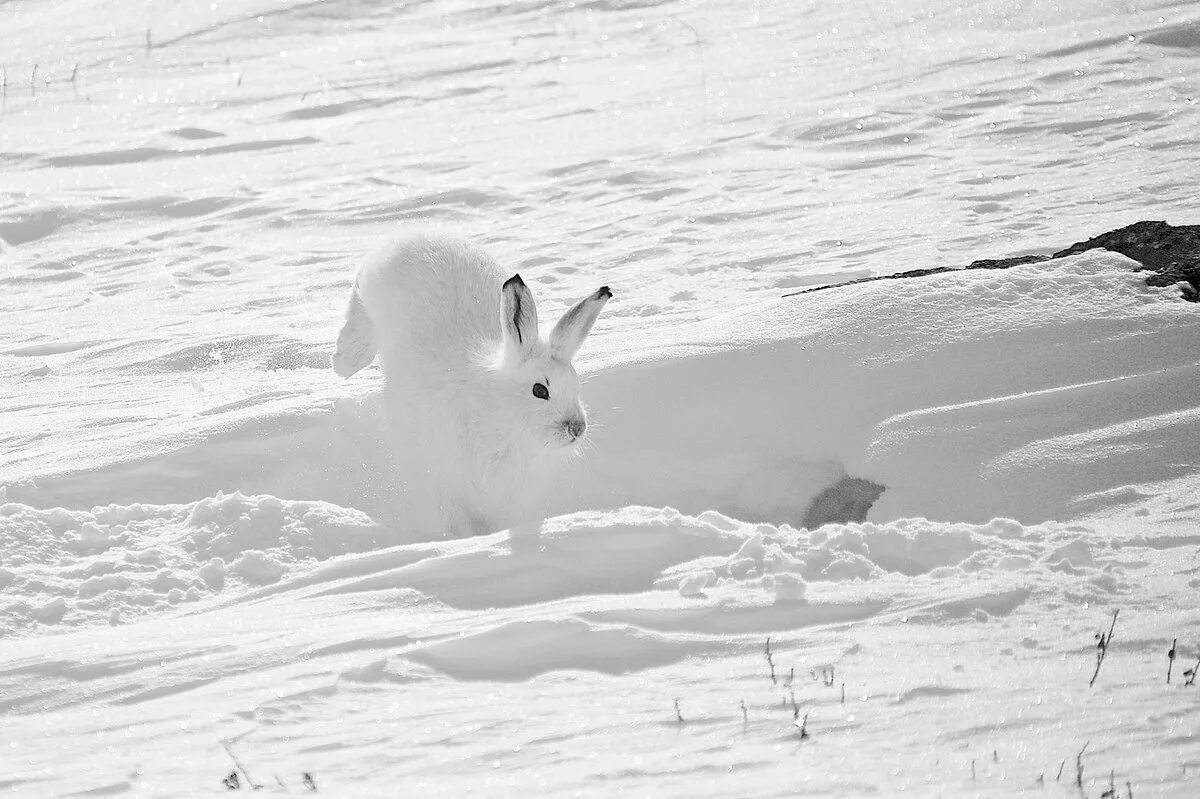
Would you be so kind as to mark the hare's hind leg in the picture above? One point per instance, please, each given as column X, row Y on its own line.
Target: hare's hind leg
column 356, row 345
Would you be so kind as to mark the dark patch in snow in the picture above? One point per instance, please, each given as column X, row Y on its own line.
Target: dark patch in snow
column 848, row 500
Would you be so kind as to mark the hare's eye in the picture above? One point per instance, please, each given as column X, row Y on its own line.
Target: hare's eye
column 540, row 391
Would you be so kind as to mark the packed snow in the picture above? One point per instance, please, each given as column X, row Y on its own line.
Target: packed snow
column 848, row 542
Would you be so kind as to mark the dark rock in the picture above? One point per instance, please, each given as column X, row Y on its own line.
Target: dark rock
column 1171, row 253
column 848, row 500
column 894, row 276
column 1005, row 263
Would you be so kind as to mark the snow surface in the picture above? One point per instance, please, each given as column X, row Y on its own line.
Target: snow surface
column 194, row 557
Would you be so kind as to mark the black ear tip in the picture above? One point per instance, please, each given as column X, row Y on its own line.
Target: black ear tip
column 604, row 292
column 515, row 280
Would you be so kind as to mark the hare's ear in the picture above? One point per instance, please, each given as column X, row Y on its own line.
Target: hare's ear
column 519, row 322
column 576, row 323
column 356, row 343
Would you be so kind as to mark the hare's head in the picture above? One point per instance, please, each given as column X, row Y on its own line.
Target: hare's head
column 538, row 379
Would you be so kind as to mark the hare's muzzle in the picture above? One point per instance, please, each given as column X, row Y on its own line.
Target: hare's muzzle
column 574, row 427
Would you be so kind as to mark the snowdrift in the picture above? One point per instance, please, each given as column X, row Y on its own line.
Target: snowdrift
column 1038, row 392
column 363, row 669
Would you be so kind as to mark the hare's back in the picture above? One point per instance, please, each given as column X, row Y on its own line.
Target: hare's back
column 436, row 294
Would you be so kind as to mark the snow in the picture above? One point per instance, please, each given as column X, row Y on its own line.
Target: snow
column 196, row 557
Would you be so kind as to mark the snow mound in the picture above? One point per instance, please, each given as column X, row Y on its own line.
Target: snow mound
column 1039, row 392
column 965, row 396
column 119, row 562
column 524, row 649
column 479, row 644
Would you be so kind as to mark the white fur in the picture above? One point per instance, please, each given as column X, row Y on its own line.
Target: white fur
column 460, row 352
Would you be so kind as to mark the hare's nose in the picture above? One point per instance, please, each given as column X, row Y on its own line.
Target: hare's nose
column 575, row 427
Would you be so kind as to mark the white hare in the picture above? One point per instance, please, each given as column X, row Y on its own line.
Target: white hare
column 480, row 407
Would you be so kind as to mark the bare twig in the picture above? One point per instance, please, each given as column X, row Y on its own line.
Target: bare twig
column 1061, row 766
column 249, row 780
column 678, row 715
column 1171, row 658
column 771, row 662
column 1111, row 793
column 745, row 715
column 1192, row 672
column 33, row 81
column 803, row 725
column 1102, row 644
column 1079, row 766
